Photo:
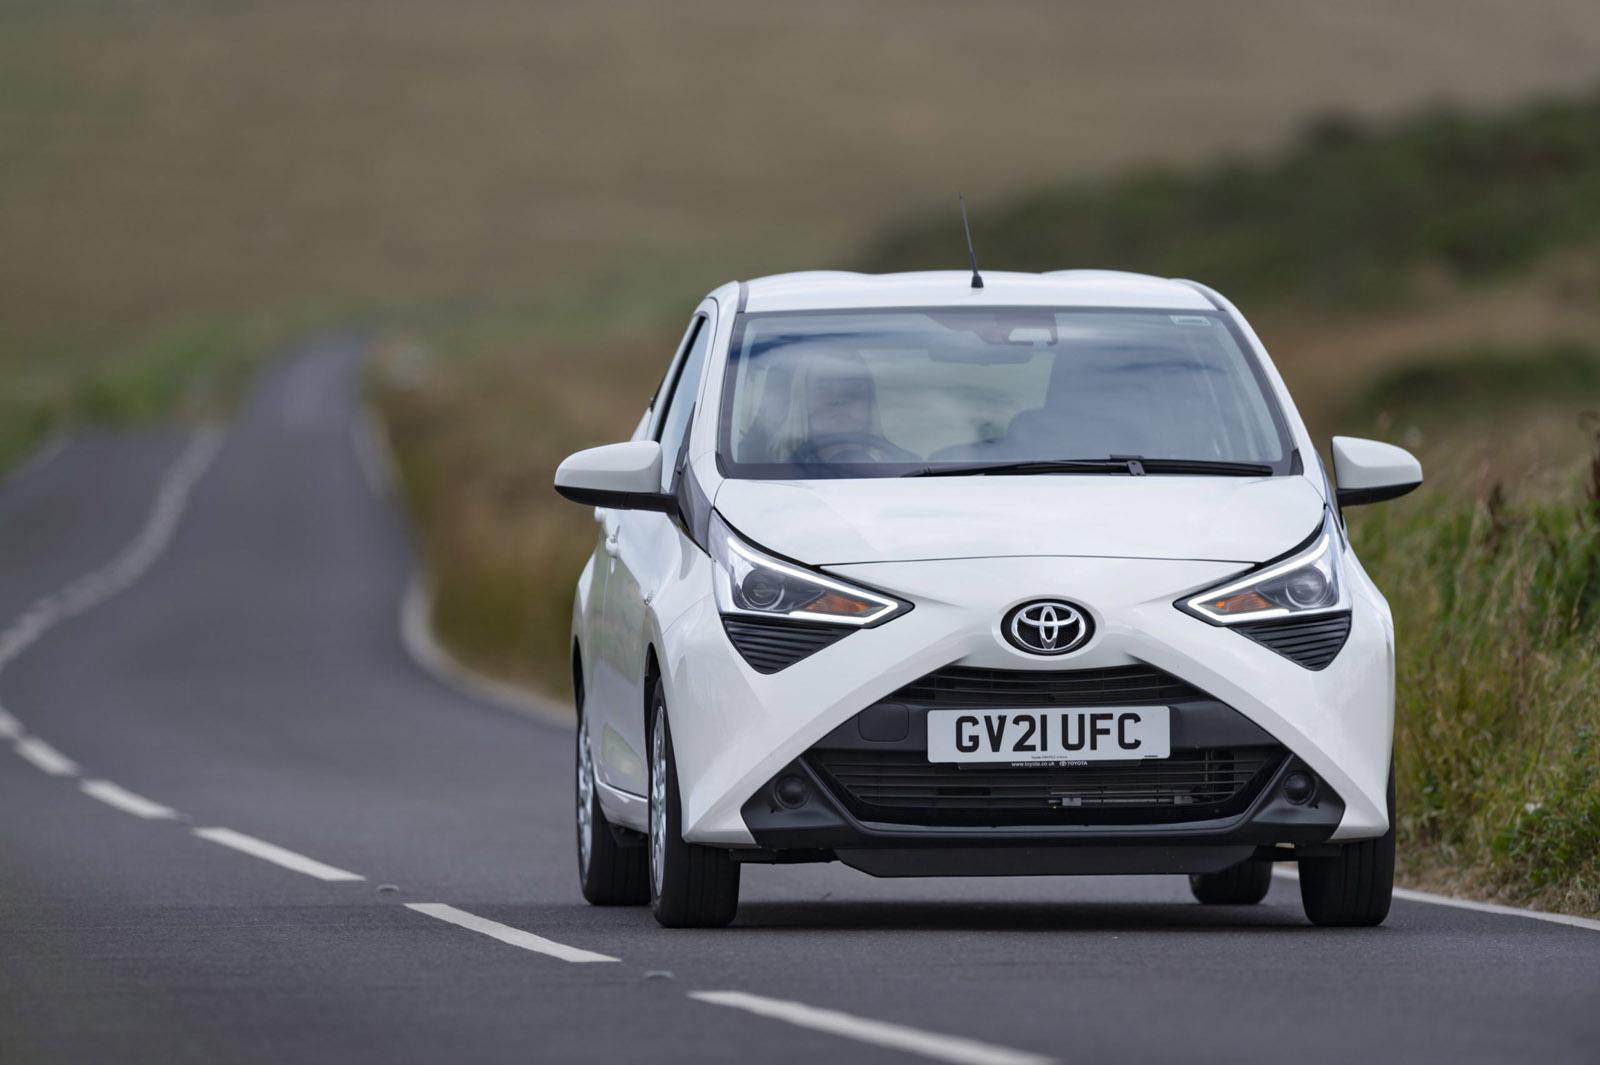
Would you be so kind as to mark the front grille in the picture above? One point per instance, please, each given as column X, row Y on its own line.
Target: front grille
column 902, row 787
column 963, row 686
column 1312, row 642
column 771, row 645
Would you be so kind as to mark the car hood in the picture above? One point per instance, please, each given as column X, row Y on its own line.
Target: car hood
column 836, row 522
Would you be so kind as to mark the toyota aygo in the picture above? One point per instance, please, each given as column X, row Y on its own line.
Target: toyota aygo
column 1039, row 577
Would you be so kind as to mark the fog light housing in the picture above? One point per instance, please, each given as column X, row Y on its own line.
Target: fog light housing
column 791, row 792
column 1299, row 786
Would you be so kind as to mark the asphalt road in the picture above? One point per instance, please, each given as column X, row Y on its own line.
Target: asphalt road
column 239, row 668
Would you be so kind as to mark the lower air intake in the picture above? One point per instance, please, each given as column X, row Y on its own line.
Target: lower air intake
column 1312, row 642
column 770, row 646
column 903, row 787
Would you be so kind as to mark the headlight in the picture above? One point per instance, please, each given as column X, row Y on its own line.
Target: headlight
column 1306, row 582
column 750, row 582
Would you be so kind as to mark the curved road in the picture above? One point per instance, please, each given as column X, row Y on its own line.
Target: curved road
column 239, row 823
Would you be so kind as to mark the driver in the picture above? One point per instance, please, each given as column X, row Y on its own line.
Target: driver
column 837, row 416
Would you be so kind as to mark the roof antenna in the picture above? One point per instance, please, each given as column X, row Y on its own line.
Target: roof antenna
column 977, row 278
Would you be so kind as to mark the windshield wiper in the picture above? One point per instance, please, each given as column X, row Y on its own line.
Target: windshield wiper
column 1221, row 469
column 962, row 469
column 1133, row 465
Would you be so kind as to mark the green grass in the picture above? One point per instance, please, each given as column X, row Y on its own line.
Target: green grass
column 196, row 369
column 1352, row 211
column 191, row 369
column 1497, row 614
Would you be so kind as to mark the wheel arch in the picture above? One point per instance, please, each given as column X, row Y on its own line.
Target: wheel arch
column 652, row 674
column 577, row 678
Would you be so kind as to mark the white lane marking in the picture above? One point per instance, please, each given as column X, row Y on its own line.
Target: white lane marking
column 416, row 634
column 126, row 801
column 275, row 854
column 416, row 612
column 373, row 455
column 1412, row 895
column 126, row 567
column 879, row 1033
column 516, row 937
column 41, row 458
column 46, row 757
column 96, row 587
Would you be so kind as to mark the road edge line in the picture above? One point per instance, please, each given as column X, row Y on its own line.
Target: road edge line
column 374, row 454
column 41, row 456
column 424, row 649
column 1499, row 909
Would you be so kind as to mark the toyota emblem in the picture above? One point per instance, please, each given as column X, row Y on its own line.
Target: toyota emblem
column 1047, row 627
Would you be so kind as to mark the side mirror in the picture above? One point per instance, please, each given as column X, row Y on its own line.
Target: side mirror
column 1370, row 472
column 617, row 476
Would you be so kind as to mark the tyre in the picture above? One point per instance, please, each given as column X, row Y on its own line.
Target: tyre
column 691, row 886
column 1244, row 884
column 612, row 867
column 1351, row 890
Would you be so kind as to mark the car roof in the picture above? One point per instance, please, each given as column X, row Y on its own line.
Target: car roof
column 842, row 290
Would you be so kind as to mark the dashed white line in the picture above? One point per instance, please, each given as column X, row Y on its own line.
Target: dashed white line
column 126, row 801
column 10, row 727
column 271, row 852
column 933, row 1045
column 46, row 757
column 516, row 937
column 1412, row 895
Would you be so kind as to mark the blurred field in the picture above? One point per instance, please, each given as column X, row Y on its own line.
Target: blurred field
column 239, row 169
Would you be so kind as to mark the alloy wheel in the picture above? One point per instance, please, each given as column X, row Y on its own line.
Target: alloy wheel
column 585, row 798
column 658, row 800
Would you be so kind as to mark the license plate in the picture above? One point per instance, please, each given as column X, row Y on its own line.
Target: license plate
column 1090, row 734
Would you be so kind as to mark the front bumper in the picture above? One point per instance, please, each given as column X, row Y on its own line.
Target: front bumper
column 866, row 795
column 735, row 729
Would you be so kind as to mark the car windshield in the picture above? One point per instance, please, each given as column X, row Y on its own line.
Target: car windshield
column 896, row 393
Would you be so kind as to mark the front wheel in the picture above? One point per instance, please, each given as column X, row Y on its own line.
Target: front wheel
column 611, row 866
column 1353, row 889
column 691, row 886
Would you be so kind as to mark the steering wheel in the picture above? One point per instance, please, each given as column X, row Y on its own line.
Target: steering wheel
column 831, row 449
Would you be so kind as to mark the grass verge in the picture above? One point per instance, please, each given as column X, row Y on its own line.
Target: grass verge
column 190, row 370
column 477, row 441
column 1497, row 611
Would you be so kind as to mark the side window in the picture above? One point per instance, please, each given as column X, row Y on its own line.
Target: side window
column 658, row 401
column 680, row 404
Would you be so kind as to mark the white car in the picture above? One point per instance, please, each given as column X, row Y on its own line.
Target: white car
column 1042, row 577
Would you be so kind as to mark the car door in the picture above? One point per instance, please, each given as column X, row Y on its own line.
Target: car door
column 643, row 547
column 592, row 630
